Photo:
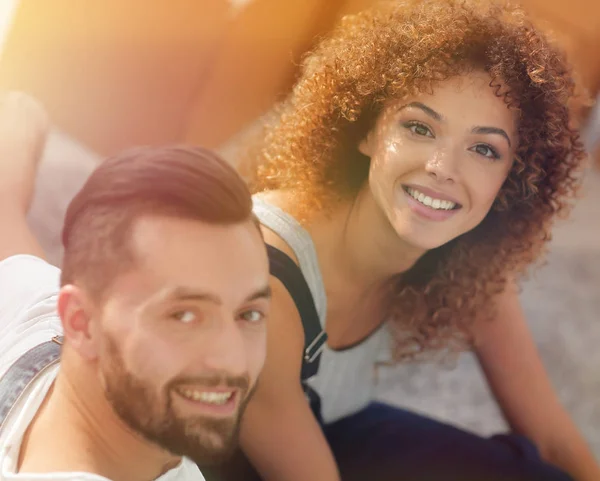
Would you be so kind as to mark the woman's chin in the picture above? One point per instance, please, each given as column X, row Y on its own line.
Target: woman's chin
column 419, row 238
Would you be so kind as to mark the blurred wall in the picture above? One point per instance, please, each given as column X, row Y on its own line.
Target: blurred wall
column 114, row 73
column 118, row 72
column 7, row 11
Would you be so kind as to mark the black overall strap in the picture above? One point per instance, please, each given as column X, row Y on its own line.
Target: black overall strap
column 23, row 371
column 290, row 275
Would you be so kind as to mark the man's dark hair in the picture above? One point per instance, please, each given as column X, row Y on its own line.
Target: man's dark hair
column 191, row 183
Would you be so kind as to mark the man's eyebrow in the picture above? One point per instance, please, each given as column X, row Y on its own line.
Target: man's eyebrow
column 264, row 293
column 185, row 294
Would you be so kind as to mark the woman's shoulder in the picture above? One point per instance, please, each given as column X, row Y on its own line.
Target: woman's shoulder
column 282, row 200
column 285, row 329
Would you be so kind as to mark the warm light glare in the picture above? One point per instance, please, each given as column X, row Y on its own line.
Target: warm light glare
column 7, row 12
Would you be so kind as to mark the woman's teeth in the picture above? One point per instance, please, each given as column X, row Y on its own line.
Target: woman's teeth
column 436, row 204
column 207, row 397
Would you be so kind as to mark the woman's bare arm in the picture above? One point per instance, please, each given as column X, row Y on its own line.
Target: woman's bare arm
column 517, row 377
column 280, row 434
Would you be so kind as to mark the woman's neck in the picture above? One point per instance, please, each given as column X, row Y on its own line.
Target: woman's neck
column 358, row 250
column 356, row 241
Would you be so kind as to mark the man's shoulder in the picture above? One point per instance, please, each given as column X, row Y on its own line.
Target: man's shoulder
column 23, row 273
column 25, row 281
column 186, row 471
column 28, row 316
column 25, row 262
column 27, row 275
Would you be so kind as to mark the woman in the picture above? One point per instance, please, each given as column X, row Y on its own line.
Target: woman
column 412, row 175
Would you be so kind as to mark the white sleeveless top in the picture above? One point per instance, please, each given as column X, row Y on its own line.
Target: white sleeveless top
column 346, row 379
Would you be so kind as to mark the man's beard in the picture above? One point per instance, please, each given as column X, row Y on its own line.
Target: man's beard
column 204, row 440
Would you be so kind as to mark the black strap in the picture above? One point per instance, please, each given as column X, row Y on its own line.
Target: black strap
column 23, row 371
column 290, row 275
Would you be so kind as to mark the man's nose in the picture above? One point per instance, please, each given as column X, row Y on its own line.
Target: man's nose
column 223, row 348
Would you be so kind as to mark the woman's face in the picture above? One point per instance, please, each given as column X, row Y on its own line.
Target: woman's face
column 438, row 160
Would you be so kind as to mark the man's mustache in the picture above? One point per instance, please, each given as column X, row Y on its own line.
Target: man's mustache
column 213, row 380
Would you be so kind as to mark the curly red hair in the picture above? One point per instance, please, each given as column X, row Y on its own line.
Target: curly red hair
column 400, row 48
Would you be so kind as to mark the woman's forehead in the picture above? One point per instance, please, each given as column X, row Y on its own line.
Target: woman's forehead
column 469, row 97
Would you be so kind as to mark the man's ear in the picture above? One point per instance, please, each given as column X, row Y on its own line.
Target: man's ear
column 75, row 309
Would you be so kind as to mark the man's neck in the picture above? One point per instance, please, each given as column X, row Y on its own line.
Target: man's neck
column 78, row 431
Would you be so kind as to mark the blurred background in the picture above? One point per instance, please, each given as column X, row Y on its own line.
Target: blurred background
column 117, row 73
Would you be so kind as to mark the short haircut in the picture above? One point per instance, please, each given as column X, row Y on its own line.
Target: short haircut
column 186, row 182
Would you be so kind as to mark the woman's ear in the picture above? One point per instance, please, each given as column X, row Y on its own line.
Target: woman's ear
column 75, row 309
column 365, row 146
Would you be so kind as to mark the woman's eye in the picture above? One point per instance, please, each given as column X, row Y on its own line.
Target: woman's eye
column 185, row 316
column 419, row 129
column 252, row 316
column 486, row 151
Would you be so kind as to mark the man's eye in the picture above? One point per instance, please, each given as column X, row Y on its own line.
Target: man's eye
column 184, row 316
column 252, row 316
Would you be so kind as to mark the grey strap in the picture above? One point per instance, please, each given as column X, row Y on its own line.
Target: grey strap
column 299, row 240
column 23, row 371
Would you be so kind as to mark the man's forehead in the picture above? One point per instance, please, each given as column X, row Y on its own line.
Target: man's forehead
column 175, row 293
column 155, row 234
column 201, row 258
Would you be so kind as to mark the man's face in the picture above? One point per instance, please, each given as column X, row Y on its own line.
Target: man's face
column 183, row 334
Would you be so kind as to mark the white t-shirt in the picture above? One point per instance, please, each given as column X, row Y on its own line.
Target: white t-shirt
column 28, row 295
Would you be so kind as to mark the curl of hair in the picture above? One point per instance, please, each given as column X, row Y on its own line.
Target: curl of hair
column 403, row 48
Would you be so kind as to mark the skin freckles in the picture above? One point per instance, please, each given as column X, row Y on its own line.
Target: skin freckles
column 457, row 144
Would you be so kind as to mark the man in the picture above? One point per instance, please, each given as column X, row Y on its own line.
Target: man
column 162, row 303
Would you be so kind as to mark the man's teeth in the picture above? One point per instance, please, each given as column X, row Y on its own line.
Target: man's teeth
column 436, row 204
column 207, row 397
